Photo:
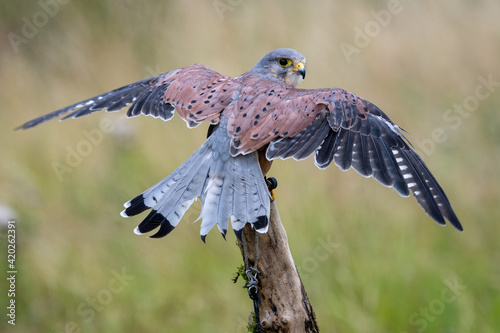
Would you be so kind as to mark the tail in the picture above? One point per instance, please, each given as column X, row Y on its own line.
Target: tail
column 229, row 187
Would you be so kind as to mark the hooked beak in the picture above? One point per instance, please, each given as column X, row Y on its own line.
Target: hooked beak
column 300, row 68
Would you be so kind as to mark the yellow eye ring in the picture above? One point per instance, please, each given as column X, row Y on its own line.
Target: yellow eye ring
column 284, row 62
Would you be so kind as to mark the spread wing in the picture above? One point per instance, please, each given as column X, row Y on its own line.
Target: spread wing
column 337, row 126
column 196, row 92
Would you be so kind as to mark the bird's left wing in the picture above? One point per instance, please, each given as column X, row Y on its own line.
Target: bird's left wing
column 337, row 126
column 187, row 89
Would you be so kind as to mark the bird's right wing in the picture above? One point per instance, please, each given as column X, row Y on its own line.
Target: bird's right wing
column 187, row 89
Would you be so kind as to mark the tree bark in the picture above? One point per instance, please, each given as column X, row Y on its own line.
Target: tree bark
column 284, row 306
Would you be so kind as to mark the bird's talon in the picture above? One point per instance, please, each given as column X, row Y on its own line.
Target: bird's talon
column 272, row 195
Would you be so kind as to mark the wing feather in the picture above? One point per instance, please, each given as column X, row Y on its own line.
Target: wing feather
column 361, row 156
column 324, row 154
column 196, row 92
column 343, row 153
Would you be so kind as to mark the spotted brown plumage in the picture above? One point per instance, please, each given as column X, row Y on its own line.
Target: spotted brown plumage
column 256, row 118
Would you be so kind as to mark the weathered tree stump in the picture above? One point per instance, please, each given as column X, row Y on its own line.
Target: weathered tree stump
column 284, row 306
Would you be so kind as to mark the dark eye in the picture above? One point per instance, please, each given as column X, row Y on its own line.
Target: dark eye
column 284, row 62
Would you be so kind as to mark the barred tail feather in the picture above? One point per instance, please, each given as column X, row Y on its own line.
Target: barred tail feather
column 172, row 197
column 229, row 187
column 235, row 189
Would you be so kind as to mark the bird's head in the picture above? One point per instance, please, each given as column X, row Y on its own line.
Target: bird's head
column 286, row 65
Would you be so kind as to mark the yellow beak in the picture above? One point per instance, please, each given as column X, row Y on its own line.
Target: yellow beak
column 300, row 68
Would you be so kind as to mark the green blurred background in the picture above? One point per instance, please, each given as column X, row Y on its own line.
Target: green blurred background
column 371, row 261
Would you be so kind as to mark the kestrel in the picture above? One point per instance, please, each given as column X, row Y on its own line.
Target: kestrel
column 255, row 118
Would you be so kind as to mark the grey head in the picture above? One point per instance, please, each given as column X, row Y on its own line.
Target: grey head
column 285, row 65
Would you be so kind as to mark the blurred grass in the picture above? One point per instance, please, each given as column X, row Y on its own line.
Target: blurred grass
column 389, row 260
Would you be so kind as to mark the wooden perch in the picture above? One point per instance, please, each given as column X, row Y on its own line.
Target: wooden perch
column 284, row 306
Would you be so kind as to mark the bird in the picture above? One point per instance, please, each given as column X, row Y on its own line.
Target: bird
column 254, row 119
